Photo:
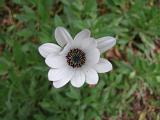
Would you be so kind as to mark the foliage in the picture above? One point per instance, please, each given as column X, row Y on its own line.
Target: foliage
column 130, row 91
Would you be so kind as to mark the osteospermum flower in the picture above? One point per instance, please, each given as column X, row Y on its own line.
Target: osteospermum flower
column 76, row 60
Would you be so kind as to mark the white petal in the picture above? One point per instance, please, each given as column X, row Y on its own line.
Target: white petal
column 91, row 76
column 105, row 43
column 60, row 73
column 89, row 43
column 55, row 61
column 82, row 35
column 84, row 44
column 62, row 36
column 66, row 49
column 48, row 48
column 103, row 66
column 78, row 79
column 60, row 83
column 51, row 75
column 92, row 56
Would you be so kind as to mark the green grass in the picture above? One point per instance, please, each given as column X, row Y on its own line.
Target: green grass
column 130, row 92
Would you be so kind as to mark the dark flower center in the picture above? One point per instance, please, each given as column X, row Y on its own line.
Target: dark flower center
column 76, row 58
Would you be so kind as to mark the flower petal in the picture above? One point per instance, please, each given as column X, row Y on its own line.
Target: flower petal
column 60, row 83
column 60, row 73
column 66, row 49
column 51, row 75
column 82, row 35
column 55, row 61
column 48, row 48
column 92, row 56
column 62, row 36
column 91, row 76
column 103, row 66
column 105, row 43
column 87, row 43
column 78, row 79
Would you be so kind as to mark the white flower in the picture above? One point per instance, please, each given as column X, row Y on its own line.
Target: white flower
column 76, row 61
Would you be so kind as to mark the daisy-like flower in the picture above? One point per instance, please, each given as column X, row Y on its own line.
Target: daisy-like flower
column 76, row 60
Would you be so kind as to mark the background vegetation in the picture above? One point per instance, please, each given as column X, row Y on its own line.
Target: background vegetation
column 130, row 92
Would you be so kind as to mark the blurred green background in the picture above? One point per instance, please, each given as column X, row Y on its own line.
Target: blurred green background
column 130, row 92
